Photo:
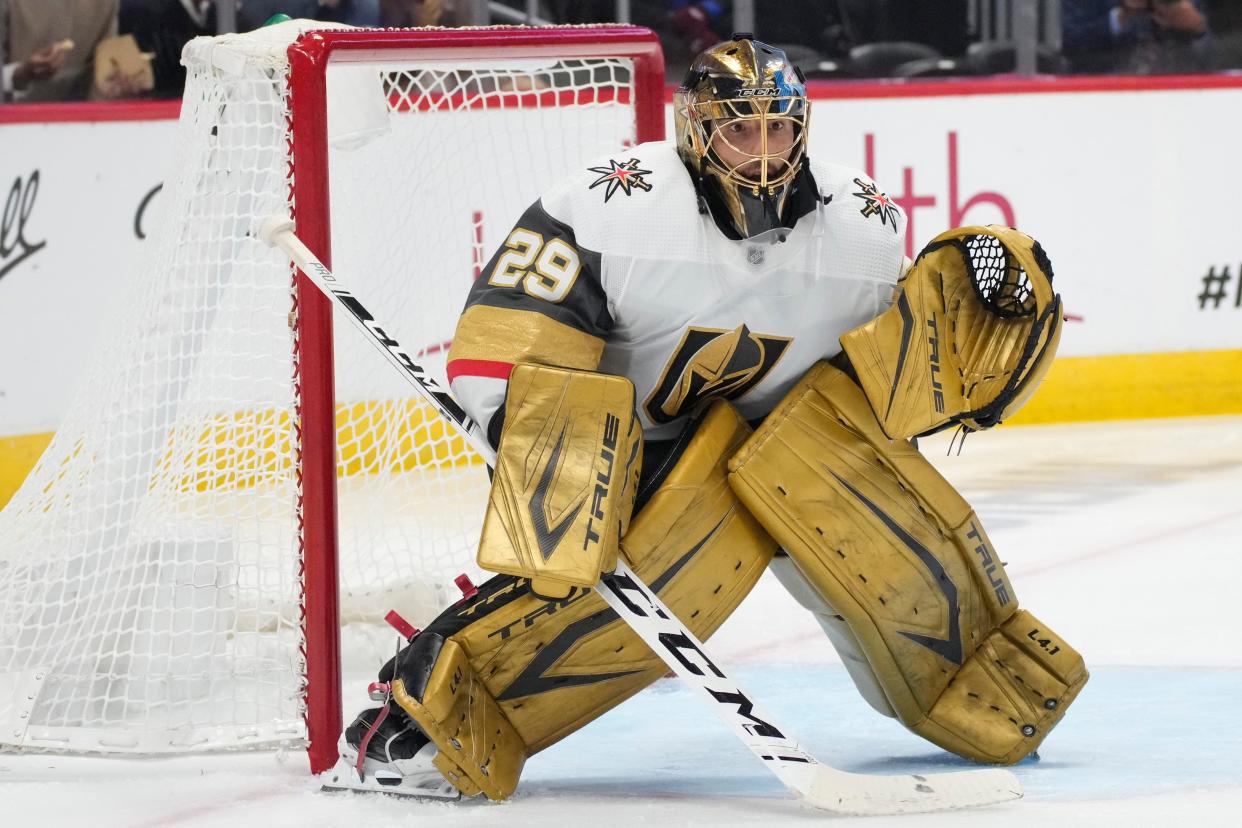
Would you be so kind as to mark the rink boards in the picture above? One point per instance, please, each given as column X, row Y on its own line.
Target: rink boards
column 1126, row 182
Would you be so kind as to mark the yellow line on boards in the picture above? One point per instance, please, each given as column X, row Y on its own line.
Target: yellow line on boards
column 238, row 450
column 1137, row 386
column 17, row 457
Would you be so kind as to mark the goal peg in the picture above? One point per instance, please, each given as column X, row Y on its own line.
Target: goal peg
column 467, row 587
column 407, row 630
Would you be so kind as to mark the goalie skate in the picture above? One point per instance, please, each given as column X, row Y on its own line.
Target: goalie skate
column 398, row 760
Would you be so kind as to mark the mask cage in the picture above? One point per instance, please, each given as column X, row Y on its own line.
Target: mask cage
column 708, row 119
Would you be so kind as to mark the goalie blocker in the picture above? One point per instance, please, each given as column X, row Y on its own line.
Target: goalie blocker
column 565, row 477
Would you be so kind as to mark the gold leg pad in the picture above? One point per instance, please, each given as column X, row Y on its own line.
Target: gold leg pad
column 904, row 561
column 480, row 752
column 1008, row 695
column 508, row 672
column 553, row 665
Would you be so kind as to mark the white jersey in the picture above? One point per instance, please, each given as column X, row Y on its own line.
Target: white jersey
column 617, row 269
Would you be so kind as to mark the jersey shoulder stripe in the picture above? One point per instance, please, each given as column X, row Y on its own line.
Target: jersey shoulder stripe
column 489, row 338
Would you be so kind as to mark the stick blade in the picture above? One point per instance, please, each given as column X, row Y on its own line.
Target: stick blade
column 865, row 795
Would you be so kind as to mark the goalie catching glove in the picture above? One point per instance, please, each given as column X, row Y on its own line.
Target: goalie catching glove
column 566, row 473
column 971, row 334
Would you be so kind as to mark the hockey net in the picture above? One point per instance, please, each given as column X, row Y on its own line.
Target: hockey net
column 169, row 571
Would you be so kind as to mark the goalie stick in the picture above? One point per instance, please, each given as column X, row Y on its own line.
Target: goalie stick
column 638, row 606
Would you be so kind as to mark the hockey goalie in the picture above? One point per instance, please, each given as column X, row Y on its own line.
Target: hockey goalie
column 710, row 357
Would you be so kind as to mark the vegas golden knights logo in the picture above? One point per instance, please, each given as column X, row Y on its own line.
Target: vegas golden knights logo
column 713, row 363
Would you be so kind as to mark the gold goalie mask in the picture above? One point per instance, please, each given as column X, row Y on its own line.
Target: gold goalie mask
column 741, row 122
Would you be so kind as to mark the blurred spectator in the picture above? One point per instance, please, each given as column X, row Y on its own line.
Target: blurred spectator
column 412, row 12
column 162, row 28
column 350, row 12
column 590, row 11
column 812, row 25
column 942, row 24
column 51, row 48
column 699, row 23
column 1226, row 17
column 251, row 14
column 1138, row 36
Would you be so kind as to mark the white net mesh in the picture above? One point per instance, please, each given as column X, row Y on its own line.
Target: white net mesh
column 150, row 598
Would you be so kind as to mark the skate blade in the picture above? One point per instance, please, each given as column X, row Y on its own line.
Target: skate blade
column 344, row 777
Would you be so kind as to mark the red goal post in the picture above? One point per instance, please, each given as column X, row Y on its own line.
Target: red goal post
column 308, row 59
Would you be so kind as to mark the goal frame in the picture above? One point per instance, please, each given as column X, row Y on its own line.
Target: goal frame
column 309, row 57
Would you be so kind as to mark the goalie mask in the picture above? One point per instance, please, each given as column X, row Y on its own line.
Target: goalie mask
column 741, row 121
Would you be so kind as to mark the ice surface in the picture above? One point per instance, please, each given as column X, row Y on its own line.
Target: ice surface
column 1125, row 537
